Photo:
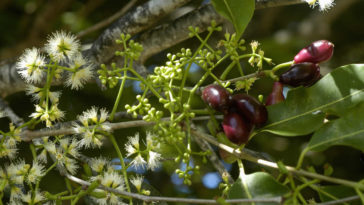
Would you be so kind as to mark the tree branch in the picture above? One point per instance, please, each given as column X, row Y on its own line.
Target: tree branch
column 28, row 135
column 340, row 201
column 150, row 199
column 168, row 35
column 133, row 22
column 243, row 155
column 214, row 159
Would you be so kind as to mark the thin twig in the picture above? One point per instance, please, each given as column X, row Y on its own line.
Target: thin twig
column 243, row 155
column 107, row 21
column 29, row 135
column 214, row 159
column 149, row 199
column 340, row 201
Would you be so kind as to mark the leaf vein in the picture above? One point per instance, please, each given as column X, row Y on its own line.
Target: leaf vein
column 337, row 138
column 315, row 109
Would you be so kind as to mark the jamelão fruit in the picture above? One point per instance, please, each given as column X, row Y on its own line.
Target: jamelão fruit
column 250, row 108
column 216, row 97
column 236, row 129
column 316, row 52
column 301, row 74
column 276, row 95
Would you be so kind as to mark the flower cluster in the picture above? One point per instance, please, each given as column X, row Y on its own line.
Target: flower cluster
column 8, row 142
column 16, row 174
column 172, row 70
column 47, row 115
column 62, row 54
column 111, row 179
column 92, row 127
column 147, row 158
column 323, row 4
column 65, row 152
column 258, row 56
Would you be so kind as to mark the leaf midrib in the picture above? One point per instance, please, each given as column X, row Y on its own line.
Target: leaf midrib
column 231, row 15
column 335, row 139
column 313, row 110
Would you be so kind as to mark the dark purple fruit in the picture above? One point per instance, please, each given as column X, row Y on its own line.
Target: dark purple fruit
column 236, row 129
column 301, row 74
column 316, row 52
column 250, row 108
column 216, row 97
column 276, row 95
column 316, row 77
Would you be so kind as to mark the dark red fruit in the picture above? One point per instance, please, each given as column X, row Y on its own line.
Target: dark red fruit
column 250, row 108
column 216, row 97
column 316, row 52
column 236, row 129
column 301, row 74
column 316, row 77
column 276, row 95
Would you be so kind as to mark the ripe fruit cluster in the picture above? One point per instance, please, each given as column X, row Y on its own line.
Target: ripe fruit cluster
column 241, row 112
column 305, row 71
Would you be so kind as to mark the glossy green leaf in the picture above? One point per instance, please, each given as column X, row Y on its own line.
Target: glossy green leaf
column 338, row 192
column 304, row 109
column 259, row 185
column 239, row 12
column 347, row 130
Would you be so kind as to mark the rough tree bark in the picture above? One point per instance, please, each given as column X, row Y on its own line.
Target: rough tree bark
column 134, row 22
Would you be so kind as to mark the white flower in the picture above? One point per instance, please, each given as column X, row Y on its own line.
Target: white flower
column 50, row 147
column 37, row 94
column 311, row 2
column 82, row 73
column 323, row 4
column 154, row 160
column 137, row 182
column 326, row 4
column 62, row 46
column 8, row 148
column 16, row 171
column 35, row 172
column 132, row 146
column 49, row 115
column 30, row 65
column 70, row 147
column 103, row 115
column 113, row 180
column 71, row 165
column 92, row 115
column 54, row 96
column 90, row 137
column 42, row 157
column 37, row 198
column 138, row 161
column 99, row 164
